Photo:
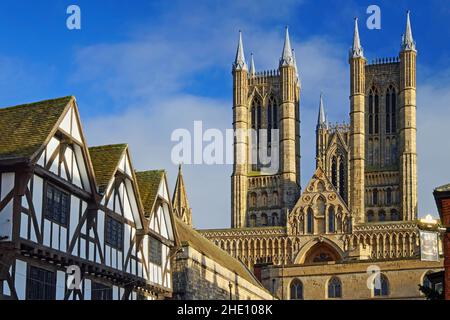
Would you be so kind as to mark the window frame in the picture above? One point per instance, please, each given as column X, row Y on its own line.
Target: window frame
column 45, row 287
column 156, row 260
column 120, row 244
column 62, row 218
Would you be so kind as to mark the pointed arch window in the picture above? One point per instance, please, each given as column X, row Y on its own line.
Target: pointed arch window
column 334, row 172
column 272, row 117
column 296, row 290
column 331, row 221
column 380, row 286
column 342, row 179
column 334, row 288
column 374, row 111
column 375, row 197
column 256, row 126
column 309, row 221
column 389, row 196
column 274, row 219
column 391, row 106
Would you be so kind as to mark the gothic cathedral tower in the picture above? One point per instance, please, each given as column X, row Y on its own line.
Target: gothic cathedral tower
column 266, row 172
column 383, row 173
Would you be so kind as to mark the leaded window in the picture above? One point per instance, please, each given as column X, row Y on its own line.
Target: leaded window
column 57, row 205
column 114, row 233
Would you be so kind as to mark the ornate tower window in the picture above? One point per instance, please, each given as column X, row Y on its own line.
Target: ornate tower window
column 309, row 221
column 256, row 125
column 374, row 111
column 334, row 172
column 389, row 196
column 274, row 219
column 331, row 221
column 375, row 197
column 334, row 288
column 391, row 105
column 342, row 179
column 272, row 117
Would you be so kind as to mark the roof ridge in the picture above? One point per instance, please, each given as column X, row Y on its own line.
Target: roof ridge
column 109, row 145
column 35, row 103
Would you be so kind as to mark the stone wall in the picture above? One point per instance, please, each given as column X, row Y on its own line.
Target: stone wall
column 404, row 277
column 197, row 277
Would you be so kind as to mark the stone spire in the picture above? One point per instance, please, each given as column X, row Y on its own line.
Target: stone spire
column 180, row 202
column 239, row 62
column 321, row 119
column 408, row 41
column 287, row 59
column 356, row 51
column 252, row 66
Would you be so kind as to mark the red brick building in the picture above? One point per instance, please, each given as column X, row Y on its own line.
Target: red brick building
column 442, row 196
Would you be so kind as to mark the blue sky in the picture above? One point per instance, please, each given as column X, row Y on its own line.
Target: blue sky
column 140, row 69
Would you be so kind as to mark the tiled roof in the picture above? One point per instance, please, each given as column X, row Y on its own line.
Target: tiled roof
column 148, row 183
column 188, row 235
column 24, row 128
column 105, row 160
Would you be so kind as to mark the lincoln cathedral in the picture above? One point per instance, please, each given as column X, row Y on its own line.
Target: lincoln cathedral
column 359, row 209
column 80, row 223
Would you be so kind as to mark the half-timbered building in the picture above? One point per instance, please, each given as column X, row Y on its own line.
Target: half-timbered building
column 72, row 223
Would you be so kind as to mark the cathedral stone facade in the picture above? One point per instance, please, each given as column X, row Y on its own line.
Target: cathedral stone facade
column 359, row 210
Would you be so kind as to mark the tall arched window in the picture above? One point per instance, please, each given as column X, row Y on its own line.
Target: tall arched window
column 274, row 219
column 272, row 117
column 374, row 111
column 342, row 179
column 331, row 221
column 388, row 196
column 380, row 286
column 375, row 197
column 391, row 105
column 309, row 221
column 264, row 221
column 334, row 288
column 256, row 125
column 296, row 290
column 334, row 172
column 382, row 216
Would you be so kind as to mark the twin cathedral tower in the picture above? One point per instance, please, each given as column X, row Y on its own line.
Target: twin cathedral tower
column 372, row 162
